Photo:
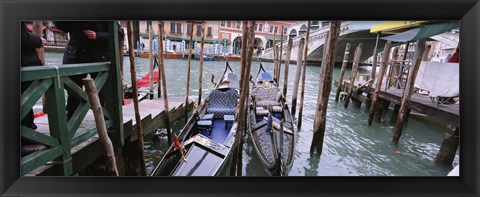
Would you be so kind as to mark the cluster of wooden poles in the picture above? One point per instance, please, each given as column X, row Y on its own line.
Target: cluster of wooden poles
column 328, row 62
column 324, row 89
column 401, row 112
column 162, row 90
column 162, row 87
column 376, row 107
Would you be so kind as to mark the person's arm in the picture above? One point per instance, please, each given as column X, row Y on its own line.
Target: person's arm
column 103, row 37
column 29, row 39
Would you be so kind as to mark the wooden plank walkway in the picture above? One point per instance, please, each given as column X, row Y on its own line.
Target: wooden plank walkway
column 151, row 112
column 447, row 113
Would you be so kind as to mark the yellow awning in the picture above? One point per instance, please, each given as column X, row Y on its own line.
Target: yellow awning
column 394, row 26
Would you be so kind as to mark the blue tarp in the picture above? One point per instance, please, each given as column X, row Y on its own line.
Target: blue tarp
column 265, row 76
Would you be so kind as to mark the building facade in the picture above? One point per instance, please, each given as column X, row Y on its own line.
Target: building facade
column 265, row 32
column 177, row 36
column 222, row 37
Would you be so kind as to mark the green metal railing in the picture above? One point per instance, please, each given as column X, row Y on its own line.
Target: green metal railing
column 63, row 135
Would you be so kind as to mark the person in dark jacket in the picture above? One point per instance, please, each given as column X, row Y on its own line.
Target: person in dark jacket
column 29, row 57
column 89, row 42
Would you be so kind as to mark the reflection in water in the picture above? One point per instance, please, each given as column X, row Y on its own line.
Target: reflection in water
column 313, row 165
column 351, row 147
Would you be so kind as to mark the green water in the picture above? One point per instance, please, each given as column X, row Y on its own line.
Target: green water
column 351, row 147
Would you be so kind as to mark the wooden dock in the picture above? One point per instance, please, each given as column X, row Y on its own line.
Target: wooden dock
column 152, row 116
column 446, row 113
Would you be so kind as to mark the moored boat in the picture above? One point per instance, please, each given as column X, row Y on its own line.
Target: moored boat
column 165, row 55
column 204, row 144
column 271, row 126
column 143, row 87
column 205, row 58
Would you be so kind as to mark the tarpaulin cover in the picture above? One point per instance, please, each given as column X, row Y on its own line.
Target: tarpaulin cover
column 425, row 31
column 440, row 79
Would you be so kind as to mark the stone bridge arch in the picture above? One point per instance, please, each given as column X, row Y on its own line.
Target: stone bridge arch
column 352, row 32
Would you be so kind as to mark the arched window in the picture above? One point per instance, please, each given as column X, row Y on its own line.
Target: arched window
column 303, row 30
column 325, row 23
column 314, row 25
column 293, row 33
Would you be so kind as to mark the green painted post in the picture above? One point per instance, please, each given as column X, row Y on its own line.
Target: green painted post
column 57, row 122
column 114, row 84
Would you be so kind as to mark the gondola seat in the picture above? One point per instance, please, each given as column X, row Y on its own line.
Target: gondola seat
column 228, row 119
column 262, row 111
column 205, row 125
column 267, row 96
column 207, row 117
column 222, row 103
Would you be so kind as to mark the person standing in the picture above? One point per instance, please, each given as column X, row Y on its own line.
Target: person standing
column 29, row 57
column 89, row 42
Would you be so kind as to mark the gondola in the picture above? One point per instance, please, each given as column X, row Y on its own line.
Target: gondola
column 270, row 125
column 203, row 145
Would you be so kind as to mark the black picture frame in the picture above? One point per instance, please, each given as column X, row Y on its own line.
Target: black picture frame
column 13, row 11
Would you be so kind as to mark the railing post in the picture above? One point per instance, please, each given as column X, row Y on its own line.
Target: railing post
column 57, row 119
column 114, row 86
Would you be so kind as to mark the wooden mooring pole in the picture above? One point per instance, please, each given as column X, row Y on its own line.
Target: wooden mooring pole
column 248, row 33
column 201, row 66
column 275, row 57
column 151, row 55
column 188, row 71
column 161, row 75
column 356, row 60
column 160, row 55
column 324, row 89
column 279, row 67
column 342, row 71
column 419, row 51
column 393, row 117
column 304, row 73
column 378, row 85
column 287, row 63
column 243, row 58
column 133, row 74
column 446, row 154
column 297, row 75
column 374, row 64
column 92, row 94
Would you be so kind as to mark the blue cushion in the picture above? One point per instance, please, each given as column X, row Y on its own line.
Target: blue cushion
column 207, row 117
column 229, row 118
column 204, row 123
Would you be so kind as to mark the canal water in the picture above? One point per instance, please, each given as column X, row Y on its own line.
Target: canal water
column 351, row 147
